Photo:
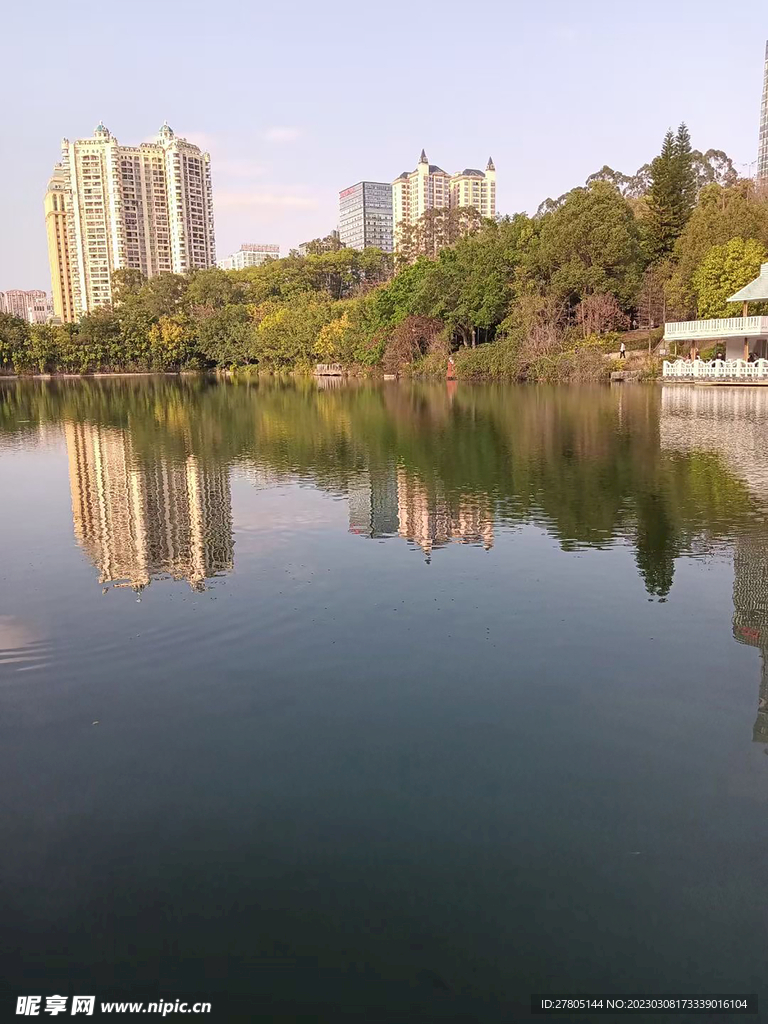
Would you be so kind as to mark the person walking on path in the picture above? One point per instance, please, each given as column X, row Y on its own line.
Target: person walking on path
column 622, row 351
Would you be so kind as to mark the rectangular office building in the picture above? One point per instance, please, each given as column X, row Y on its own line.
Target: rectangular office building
column 365, row 215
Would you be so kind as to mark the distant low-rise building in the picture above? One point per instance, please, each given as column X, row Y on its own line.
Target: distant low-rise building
column 365, row 215
column 317, row 246
column 250, row 254
column 40, row 310
column 33, row 305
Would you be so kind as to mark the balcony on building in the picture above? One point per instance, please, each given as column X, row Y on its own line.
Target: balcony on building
column 742, row 341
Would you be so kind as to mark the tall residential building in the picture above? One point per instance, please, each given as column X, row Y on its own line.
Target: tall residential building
column 429, row 187
column 58, row 246
column 33, row 305
column 762, row 150
column 471, row 187
column 250, row 254
column 365, row 215
column 146, row 208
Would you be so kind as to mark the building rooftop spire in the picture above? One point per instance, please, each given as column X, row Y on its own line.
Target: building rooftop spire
column 490, row 166
column 423, row 158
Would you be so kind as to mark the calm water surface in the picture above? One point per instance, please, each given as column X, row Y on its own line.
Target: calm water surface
column 410, row 701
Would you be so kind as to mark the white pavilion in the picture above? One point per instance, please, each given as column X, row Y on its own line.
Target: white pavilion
column 744, row 338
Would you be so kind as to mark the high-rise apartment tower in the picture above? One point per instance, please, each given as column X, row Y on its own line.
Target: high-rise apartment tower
column 146, row 208
column 58, row 246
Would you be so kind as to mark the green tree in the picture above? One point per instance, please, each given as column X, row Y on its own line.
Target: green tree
column 43, row 351
column 135, row 325
column 98, row 342
column 591, row 244
column 225, row 337
column 212, row 288
column 330, row 243
column 164, row 294
column 663, row 219
column 724, row 270
column 169, row 341
column 127, row 284
column 720, row 215
column 672, row 193
column 685, row 175
column 14, row 342
column 287, row 336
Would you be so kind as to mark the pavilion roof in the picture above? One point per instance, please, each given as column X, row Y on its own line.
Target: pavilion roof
column 755, row 291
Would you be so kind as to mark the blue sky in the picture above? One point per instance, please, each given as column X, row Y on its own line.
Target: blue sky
column 297, row 100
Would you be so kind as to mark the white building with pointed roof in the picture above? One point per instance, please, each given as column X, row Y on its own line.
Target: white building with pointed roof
column 146, row 208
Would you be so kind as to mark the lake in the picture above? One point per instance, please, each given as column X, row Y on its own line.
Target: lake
column 383, row 702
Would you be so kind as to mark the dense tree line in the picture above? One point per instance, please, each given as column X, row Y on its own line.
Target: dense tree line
column 523, row 297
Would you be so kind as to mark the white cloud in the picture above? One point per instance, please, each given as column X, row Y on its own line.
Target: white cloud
column 281, row 134
column 239, row 168
column 243, row 200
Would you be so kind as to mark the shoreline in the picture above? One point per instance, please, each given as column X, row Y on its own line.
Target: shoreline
column 380, row 378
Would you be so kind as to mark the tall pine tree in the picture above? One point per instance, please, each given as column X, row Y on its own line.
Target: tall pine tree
column 686, row 175
column 672, row 195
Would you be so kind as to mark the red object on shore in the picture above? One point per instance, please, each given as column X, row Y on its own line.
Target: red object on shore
column 451, row 374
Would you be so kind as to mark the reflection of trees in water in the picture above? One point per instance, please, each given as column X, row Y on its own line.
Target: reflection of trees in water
column 670, row 470
column 732, row 424
column 750, row 611
column 586, row 464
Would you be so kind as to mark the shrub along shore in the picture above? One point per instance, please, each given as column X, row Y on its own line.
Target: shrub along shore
column 542, row 298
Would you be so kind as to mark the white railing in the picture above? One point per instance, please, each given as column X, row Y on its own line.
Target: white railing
column 730, row 327
column 716, row 369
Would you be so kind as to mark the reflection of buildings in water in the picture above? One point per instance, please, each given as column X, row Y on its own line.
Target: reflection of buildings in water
column 732, row 422
column 428, row 521
column 373, row 503
column 331, row 383
column 395, row 502
column 750, row 612
column 137, row 520
column 263, row 477
column 424, row 520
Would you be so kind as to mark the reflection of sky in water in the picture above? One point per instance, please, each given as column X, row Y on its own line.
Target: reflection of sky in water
column 447, row 671
column 21, row 646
